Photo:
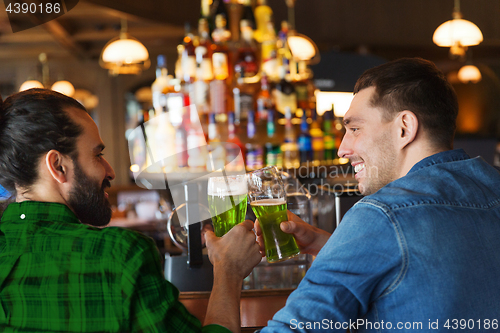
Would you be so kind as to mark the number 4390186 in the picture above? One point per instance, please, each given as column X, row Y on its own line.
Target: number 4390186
column 33, row 8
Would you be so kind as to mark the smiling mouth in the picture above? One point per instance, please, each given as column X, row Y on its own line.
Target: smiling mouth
column 359, row 167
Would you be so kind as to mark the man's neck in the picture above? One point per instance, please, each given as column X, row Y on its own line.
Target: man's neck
column 36, row 195
column 414, row 154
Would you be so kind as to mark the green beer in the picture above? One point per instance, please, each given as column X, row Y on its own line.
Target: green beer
column 279, row 245
column 227, row 202
column 224, row 215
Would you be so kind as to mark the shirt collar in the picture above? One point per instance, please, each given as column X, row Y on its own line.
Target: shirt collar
column 31, row 211
column 442, row 157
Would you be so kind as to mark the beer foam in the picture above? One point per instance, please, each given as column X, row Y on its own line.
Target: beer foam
column 268, row 202
column 218, row 185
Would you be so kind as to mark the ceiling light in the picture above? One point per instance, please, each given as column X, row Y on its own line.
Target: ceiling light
column 457, row 31
column 29, row 84
column 86, row 98
column 302, row 47
column 124, row 54
column 457, row 34
column 469, row 73
column 64, row 87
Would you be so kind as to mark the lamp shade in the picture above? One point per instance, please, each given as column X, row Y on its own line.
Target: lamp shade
column 64, row 87
column 125, row 51
column 30, row 84
column 469, row 73
column 124, row 55
column 457, row 31
column 302, row 48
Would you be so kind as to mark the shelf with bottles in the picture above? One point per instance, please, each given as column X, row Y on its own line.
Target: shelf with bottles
column 261, row 140
column 239, row 85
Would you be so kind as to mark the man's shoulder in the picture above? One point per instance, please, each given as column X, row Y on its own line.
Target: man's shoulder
column 468, row 182
column 121, row 239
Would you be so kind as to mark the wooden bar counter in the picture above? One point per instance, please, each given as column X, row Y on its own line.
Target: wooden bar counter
column 256, row 306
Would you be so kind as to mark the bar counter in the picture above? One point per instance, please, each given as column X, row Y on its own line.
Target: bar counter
column 256, row 306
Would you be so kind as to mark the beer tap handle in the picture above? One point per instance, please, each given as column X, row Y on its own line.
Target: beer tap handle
column 195, row 258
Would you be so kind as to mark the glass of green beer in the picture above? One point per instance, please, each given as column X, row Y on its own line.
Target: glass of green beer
column 267, row 196
column 227, row 202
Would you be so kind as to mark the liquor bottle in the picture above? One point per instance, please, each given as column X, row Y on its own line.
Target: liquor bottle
column 188, row 61
column 216, row 151
column 243, row 102
column 284, row 93
column 273, row 147
column 164, row 136
column 302, row 87
column 150, row 129
column 161, row 85
column 263, row 15
column 205, row 45
column 181, row 142
column 139, row 139
column 339, row 131
column 284, row 54
column 269, row 55
column 305, row 141
column 254, row 151
column 290, row 148
column 246, row 69
column 246, row 64
column 220, row 57
column 264, row 101
column 248, row 14
column 329, row 138
column 205, row 9
column 219, row 98
column 236, row 147
column 178, row 63
column 199, row 91
column 317, row 139
column 196, row 142
column 219, row 8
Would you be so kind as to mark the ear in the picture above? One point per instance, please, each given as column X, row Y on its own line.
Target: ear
column 57, row 165
column 407, row 123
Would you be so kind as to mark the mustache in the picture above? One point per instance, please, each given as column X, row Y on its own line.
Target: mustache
column 105, row 183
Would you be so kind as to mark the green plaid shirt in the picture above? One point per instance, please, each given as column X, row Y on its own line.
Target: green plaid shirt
column 59, row 275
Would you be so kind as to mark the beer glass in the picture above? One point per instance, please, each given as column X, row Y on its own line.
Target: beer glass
column 227, row 202
column 267, row 196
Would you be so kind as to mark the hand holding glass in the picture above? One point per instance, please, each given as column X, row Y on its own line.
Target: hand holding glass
column 267, row 197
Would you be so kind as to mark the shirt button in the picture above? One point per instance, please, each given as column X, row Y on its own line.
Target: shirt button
column 23, row 216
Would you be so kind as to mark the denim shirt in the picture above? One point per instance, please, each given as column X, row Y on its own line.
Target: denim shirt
column 420, row 254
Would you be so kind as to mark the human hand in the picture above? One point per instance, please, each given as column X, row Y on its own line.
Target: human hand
column 236, row 253
column 309, row 238
column 233, row 255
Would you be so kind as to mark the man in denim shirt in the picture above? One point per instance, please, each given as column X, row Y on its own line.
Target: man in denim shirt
column 421, row 250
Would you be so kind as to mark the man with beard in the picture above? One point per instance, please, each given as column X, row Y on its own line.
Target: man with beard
column 60, row 273
column 421, row 250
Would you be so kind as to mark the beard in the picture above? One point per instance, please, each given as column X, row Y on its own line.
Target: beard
column 88, row 200
column 383, row 172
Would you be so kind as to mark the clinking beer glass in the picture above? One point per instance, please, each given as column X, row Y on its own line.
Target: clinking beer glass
column 227, row 202
column 267, row 196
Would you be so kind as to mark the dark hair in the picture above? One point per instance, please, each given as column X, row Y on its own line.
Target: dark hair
column 32, row 123
column 419, row 86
